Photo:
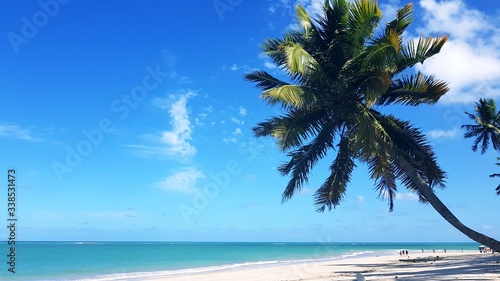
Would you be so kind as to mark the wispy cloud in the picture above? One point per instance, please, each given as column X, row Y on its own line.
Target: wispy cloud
column 243, row 111
column 443, row 134
column 269, row 65
column 307, row 191
column 183, row 181
column 237, row 121
column 236, row 67
column 228, row 140
column 178, row 138
column 174, row 142
column 17, row 132
column 111, row 214
column 470, row 60
column 170, row 60
column 237, row 132
column 406, row 196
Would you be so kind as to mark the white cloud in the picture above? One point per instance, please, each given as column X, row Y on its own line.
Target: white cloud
column 269, row 65
column 236, row 120
column 443, row 134
column 470, row 60
column 174, row 142
column 406, row 196
column 237, row 132
column 178, row 138
column 17, row 132
column 227, row 140
column 183, row 181
column 243, row 111
column 236, row 67
column 453, row 17
column 361, row 199
column 111, row 214
column 306, row 191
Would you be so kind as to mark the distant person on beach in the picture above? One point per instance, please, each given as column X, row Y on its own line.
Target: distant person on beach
column 445, row 251
column 434, row 251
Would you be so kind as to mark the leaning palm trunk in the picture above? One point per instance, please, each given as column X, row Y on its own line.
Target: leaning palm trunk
column 436, row 203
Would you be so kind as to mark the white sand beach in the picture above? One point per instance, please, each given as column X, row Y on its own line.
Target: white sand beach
column 453, row 266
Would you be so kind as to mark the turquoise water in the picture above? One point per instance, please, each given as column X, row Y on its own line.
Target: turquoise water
column 140, row 260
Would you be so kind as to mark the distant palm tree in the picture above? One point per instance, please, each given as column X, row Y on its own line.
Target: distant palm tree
column 486, row 130
column 497, row 175
column 487, row 127
column 340, row 74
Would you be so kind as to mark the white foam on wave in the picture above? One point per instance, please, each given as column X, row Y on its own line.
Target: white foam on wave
column 132, row 276
column 152, row 274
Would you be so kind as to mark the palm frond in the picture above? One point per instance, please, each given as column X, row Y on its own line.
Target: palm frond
column 382, row 52
column 363, row 18
column 411, row 143
column 305, row 158
column 331, row 193
column 264, row 80
column 381, row 169
column 403, row 19
column 298, row 60
column 418, row 51
column 414, row 89
column 290, row 95
column 272, row 47
column 292, row 128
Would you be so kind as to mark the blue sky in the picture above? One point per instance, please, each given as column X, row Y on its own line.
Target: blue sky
column 132, row 121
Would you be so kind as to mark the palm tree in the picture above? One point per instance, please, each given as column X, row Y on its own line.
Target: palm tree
column 497, row 175
column 487, row 127
column 340, row 73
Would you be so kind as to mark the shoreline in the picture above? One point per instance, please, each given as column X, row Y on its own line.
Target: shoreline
column 454, row 265
column 221, row 261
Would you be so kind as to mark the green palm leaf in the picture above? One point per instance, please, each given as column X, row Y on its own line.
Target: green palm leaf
column 404, row 18
column 291, row 129
column 364, row 16
column 414, row 89
column 331, row 193
column 418, row 51
column 264, row 80
column 305, row 158
column 290, row 95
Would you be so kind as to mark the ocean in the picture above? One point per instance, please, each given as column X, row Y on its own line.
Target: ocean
column 101, row 261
